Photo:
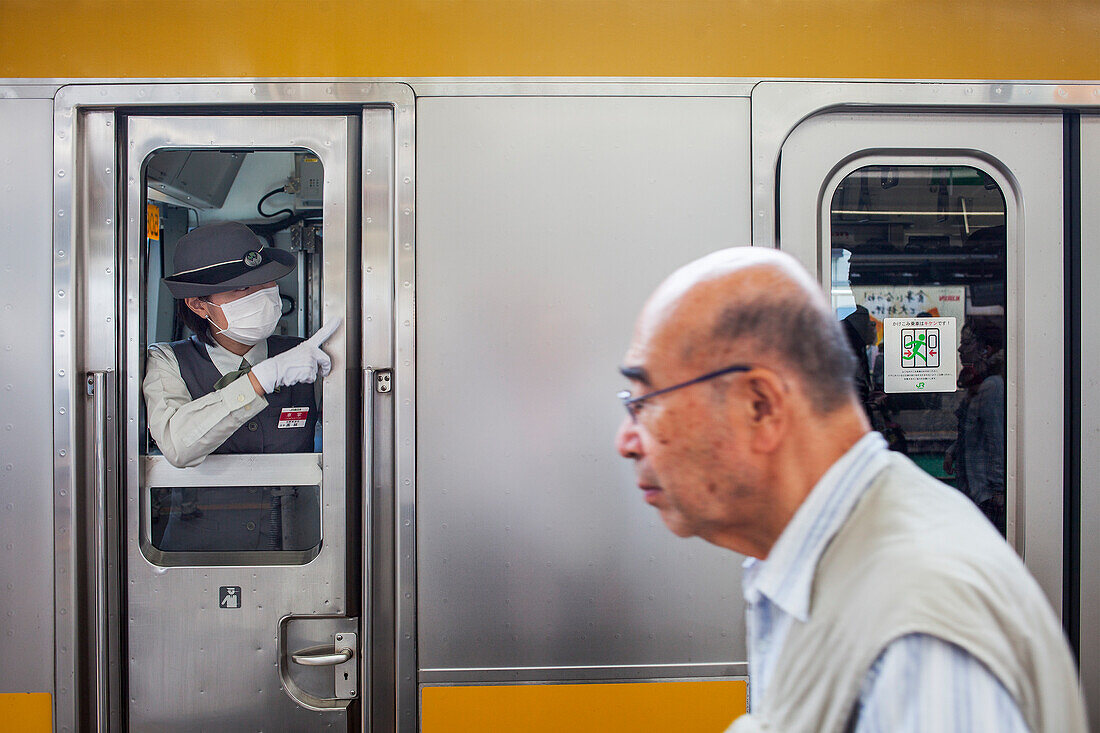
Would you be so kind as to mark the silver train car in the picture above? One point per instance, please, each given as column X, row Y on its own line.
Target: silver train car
column 467, row 552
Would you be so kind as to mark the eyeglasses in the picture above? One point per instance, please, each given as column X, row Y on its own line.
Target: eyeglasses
column 632, row 404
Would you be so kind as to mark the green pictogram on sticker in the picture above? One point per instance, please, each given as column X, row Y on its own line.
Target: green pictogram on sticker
column 916, row 345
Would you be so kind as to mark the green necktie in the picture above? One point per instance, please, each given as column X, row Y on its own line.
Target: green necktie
column 232, row 376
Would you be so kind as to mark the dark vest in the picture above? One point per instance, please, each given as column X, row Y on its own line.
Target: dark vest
column 262, row 433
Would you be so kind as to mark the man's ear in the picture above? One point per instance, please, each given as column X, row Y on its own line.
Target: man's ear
column 769, row 410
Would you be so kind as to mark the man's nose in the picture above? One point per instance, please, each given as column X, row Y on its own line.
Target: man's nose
column 627, row 441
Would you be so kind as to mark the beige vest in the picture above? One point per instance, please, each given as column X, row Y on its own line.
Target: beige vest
column 917, row 557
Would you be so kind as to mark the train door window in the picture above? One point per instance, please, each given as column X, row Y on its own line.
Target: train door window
column 927, row 244
column 232, row 505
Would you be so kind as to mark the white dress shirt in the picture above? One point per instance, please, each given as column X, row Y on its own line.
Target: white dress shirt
column 187, row 430
column 919, row 682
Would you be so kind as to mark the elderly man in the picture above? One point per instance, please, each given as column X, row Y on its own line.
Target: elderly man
column 878, row 599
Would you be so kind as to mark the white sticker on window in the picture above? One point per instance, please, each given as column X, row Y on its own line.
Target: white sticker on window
column 919, row 354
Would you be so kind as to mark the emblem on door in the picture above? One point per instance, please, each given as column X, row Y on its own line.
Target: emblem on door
column 229, row 596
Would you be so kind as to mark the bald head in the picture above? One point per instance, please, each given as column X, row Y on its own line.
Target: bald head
column 728, row 266
column 756, row 305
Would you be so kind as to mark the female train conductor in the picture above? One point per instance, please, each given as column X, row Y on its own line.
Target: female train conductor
column 233, row 386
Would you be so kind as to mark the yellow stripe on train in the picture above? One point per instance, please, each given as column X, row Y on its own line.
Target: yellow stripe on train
column 683, row 707
column 934, row 39
column 26, row 712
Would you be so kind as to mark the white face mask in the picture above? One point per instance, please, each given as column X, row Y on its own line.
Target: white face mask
column 251, row 319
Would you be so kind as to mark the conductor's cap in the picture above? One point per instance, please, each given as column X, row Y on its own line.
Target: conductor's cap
column 224, row 256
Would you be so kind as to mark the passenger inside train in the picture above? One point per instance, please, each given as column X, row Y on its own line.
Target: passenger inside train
column 230, row 384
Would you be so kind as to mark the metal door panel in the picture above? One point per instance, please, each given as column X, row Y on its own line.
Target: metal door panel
column 192, row 663
column 26, row 346
column 85, row 282
column 1023, row 152
column 389, row 415
column 543, row 224
column 1090, row 414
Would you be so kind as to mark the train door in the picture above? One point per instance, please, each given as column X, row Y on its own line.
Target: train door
column 237, row 582
column 232, row 591
column 939, row 234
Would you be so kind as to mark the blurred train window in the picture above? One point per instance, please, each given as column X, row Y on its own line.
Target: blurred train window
column 920, row 242
column 279, row 195
column 236, row 519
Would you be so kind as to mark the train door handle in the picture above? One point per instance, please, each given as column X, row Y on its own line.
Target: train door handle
column 322, row 656
column 340, row 655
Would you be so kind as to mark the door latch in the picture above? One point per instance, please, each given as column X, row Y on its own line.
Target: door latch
column 383, row 380
column 346, row 673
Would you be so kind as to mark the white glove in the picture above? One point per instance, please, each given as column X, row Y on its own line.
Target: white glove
column 299, row 364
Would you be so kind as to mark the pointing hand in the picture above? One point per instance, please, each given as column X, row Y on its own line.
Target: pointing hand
column 299, row 364
column 324, row 332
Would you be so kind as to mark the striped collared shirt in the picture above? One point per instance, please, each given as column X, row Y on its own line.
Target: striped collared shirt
column 919, row 682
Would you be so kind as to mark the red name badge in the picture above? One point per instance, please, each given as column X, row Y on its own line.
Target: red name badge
column 293, row 417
